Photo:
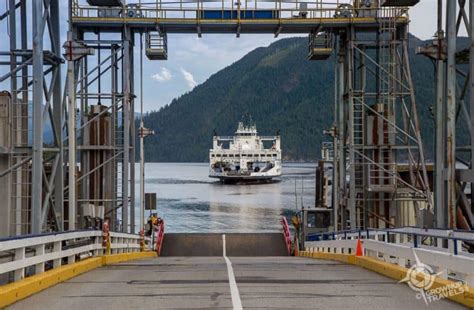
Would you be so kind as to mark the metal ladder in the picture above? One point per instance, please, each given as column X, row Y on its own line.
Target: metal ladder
column 382, row 176
column 358, row 129
column 21, row 133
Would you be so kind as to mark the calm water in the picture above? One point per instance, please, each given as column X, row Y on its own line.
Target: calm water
column 190, row 201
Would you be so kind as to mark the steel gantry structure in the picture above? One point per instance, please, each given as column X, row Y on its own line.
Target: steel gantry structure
column 32, row 169
column 454, row 108
column 378, row 131
column 93, row 157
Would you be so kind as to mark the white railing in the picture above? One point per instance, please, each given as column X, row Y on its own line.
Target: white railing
column 444, row 250
column 28, row 255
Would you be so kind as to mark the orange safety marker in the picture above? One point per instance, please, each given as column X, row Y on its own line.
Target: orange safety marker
column 359, row 251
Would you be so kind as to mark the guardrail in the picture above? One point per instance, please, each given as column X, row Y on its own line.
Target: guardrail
column 229, row 9
column 286, row 234
column 24, row 256
column 446, row 251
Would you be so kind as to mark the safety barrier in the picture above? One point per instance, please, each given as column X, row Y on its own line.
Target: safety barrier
column 29, row 255
column 286, row 234
column 160, row 235
column 445, row 251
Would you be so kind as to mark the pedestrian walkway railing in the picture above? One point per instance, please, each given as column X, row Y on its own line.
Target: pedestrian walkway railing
column 28, row 255
column 448, row 252
column 197, row 10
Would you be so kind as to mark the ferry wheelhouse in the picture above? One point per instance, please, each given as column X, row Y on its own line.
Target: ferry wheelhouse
column 245, row 156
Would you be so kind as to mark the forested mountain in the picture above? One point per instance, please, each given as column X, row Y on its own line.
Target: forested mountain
column 282, row 90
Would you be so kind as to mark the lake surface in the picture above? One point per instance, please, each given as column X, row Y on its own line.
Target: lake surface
column 190, row 201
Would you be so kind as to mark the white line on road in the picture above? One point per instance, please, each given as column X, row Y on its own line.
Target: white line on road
column 234, row 290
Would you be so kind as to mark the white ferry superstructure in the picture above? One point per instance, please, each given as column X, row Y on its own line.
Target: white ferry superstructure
column 243, row 157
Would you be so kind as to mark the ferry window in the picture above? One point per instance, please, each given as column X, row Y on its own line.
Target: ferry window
column 213, row 155
column 269, row 155
column 225, row 155
column 218, row 155
column 237, row 155
column 274, row 155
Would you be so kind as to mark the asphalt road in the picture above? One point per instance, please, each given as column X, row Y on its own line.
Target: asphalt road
column 203, row 283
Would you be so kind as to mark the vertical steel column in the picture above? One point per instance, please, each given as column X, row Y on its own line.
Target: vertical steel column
column 114, row 129
column 38, row 75
column 335, row 177
column 57, row 103
column 71, row 140
column 440, row 199
column 451, row 112
column 471, row 99
column 12, row 29
column 142, row 143
column 14, row 100
column 132, row 137
column 341, row 136
column 126, row 127
column 83, row 157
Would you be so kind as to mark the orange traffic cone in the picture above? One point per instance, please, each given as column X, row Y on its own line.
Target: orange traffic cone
column 359, row 251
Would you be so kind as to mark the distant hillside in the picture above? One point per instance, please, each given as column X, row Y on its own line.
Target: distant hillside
column 281, row 90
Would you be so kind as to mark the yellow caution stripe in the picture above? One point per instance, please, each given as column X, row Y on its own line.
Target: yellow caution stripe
column 13, row 292
column 392, row 271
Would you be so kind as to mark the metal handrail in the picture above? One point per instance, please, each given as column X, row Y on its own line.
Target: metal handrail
column 313, row 10
column 20, row 254
column 405, row 247
column 409, row 230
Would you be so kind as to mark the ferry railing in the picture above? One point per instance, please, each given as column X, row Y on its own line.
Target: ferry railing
column 28, row 255
column 449, row 252
column 286, row 234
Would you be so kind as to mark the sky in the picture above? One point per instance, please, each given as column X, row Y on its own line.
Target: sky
column 192, row 60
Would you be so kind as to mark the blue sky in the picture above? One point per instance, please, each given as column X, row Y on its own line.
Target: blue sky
column 192, row 60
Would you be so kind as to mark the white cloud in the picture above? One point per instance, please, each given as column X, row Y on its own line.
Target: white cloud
column 189, row 78
column 162, row 76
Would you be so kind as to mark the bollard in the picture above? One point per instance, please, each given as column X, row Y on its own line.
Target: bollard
column 106, row 237
column 142, row 240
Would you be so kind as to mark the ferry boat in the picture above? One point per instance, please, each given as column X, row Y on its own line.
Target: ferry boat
column 245, row 157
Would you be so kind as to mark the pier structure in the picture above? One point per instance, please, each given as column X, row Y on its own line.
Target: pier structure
column 376, row 121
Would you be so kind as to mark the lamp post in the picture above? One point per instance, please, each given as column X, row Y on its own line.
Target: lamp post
column 143, row 132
